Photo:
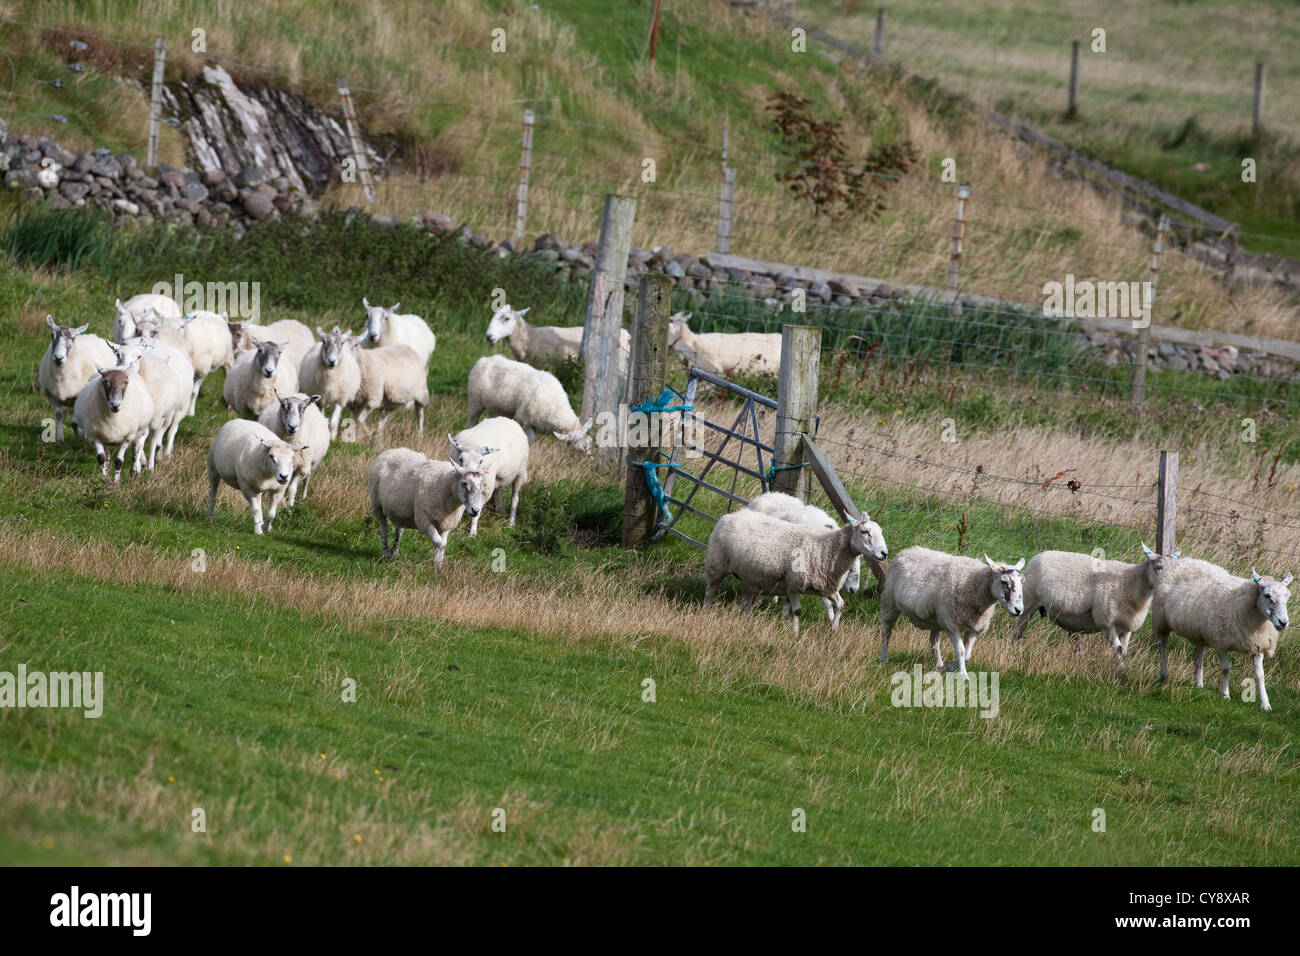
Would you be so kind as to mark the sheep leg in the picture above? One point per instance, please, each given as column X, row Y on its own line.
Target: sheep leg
column 397, row 540
column 58, row 418
column 439, row 544
column 1123, row 643
column 514, row 500
column 1198, row 663
column 277, row 496
column 102, row 457
column 835, row 608
column 1225, row 665
column 970, row 646
column 794, row 610
column 335, row 416
column 710, row 588
column 155, row 439
column 885, row 627
column 214, row 480
column 1259, row 679
column 255, row 507
column 419, row 415
column 119, row 461
column 1112, row 635
column 383, row 536
column 194, row 397
column 293, row 493
column 934, row 649
column 747, row 602
column 959, row 648
column 306, row 484
column 137, row 458
column 171, row 433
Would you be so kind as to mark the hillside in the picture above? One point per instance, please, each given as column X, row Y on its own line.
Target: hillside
column 428, row 79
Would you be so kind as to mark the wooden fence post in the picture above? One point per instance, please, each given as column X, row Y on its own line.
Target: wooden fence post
column 958, row 240
column 796, row 407
column 1259, row 100
column 1167, row 502
column 354, row 137
column 1073, row 109
column 647, row 372
column 155, row 99
column 880, row 33
column 1144, row 332
column 726, row 202
column 606, row 291
column 525, row 166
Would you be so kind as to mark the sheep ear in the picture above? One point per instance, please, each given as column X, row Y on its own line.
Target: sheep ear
column 396, row 306
column 81, row 329
column 1146, row 550
column 321, row 332
column 118, row 304
column 1254, row 575
column 1287, row 579
column 561, row 436
column 49, row 320
column 254, row 341
column 989, row 562
column 365, row 302
column 587, row 427
column 1178, row 553
column 1019, row 565
column 522, row 312
column 454, row 444
column 315, row 400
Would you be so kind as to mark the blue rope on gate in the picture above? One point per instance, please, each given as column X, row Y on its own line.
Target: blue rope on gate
column 661, row 404
column 652, row 481
column 771, row 472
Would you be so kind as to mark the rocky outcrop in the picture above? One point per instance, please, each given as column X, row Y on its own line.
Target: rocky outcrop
column 284, row 136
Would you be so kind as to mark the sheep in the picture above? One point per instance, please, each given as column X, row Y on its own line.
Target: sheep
column 409, row 490
column 73, row 359
column 297, row 420
column 503, row 441
column 791, row 509
column 545, row 341
column 722, row 353
column 249, row 456
column 150, row 305
column 1086, row 595
column 114, row 409
column 1213, row 609
column 251, row 385
column 941, row 592
column 295, row 338
column 169, row 376
column 331, row 370
column 771, row 556
column 532, row 397
column 392, row 376
column 207, row 342
column 387, row 327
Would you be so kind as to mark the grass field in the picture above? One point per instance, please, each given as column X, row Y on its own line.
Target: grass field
column 512, row 678
column 428, row 82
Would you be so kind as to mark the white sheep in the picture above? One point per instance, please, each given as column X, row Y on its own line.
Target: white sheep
column 295, row 338
column 331, row 370
column 249, row 456
column 251, row 385
column 1087, row 595
column 531, row 396
column 723, row 353
column 789, row 508
column 409, row 490
column 545, row 341
column 149, row 305
column 1211, row 608
column 114, row 409
column 207, row 342
column 298, row 420
column 73, row 359
column 948, row 593
column 392, row 376
column 388, row 327
column 501, row 447
column 167, row 372
column 771, row 556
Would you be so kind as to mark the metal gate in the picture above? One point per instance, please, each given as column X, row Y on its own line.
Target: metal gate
column 745, row 433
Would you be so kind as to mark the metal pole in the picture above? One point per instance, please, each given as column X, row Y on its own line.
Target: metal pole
column 958, row 240
column 525, row 166
column 155, row 99
column 354, row 135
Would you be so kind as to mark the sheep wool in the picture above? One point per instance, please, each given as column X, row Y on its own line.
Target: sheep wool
column 408, row 490
column 532, row 397
column 114, row 410
column 248, row 456
column 331, row 371
column 73, row 359
column 500, row 446
column 385, row 327
column 251, row 385
column 297, row 419
column 392, row 376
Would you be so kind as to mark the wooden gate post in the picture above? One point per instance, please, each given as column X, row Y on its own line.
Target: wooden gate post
column 155, row 100
column 1167, row 502
column 796, row 407
column 647, row 372
column 606, row 291
column 525, row 168
column 1144, row 332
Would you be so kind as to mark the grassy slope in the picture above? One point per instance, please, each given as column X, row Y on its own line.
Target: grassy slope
column 1173, row 89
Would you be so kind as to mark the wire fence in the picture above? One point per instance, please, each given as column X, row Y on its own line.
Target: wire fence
column 480, row 145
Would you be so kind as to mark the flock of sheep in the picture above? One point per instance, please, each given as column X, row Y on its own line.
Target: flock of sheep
column 281, row 378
